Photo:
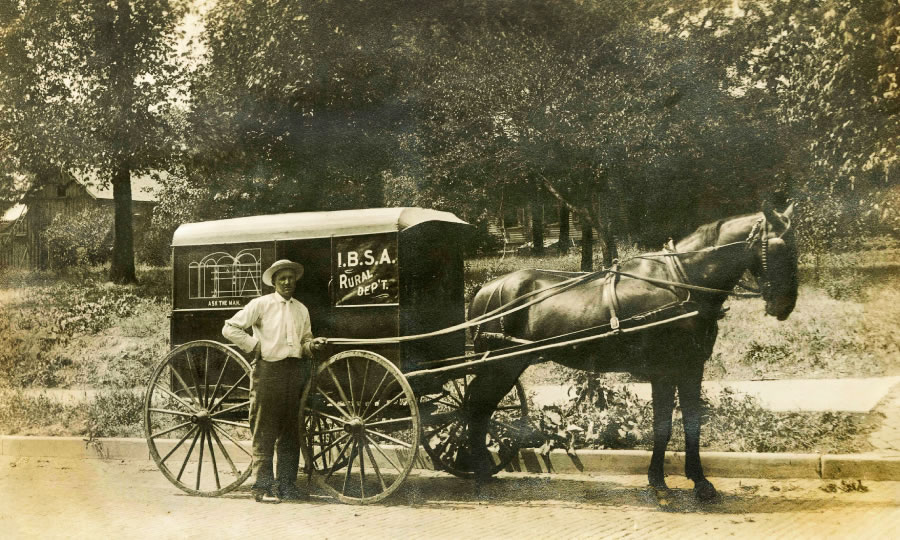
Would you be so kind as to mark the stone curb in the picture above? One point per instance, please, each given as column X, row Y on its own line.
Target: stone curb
column 876, row 467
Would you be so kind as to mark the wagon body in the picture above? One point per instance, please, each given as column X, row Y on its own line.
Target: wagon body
column 372, row 273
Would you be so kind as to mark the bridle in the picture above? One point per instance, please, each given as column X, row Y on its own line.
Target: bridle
column 758, row 233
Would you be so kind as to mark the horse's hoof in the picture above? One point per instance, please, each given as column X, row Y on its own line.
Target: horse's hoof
column 663, row 498
column 704, row 491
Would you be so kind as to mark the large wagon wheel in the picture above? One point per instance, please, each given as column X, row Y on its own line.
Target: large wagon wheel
column 196, row 413
column 446, row 429
column 360, row 423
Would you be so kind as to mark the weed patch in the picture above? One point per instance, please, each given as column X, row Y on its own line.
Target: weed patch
column 604, row 416
column 117, row 413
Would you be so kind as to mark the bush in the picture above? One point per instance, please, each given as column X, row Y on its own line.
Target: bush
column 81, row 239
column 115, row 414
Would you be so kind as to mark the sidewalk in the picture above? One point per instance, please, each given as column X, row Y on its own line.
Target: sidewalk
column 881, row 396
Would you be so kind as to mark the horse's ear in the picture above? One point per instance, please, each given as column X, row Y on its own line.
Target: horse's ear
column 788, row 212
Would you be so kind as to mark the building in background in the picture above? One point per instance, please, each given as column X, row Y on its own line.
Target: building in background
column 21, row 241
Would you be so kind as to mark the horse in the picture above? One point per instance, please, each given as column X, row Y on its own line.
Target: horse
column 699, row 271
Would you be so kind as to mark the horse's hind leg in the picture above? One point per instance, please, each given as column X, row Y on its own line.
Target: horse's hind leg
column 689, row 396
column 482, row 397
column 663, row 403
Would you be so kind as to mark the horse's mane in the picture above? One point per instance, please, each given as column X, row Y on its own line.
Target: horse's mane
column 708, row 234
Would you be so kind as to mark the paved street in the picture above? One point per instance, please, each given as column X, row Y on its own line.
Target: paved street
column 93, row 498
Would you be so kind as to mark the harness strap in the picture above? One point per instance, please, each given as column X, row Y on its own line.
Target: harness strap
column 676, row 269
column 609, row 293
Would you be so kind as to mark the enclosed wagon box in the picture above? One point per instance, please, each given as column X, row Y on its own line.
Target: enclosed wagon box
column 372, row 273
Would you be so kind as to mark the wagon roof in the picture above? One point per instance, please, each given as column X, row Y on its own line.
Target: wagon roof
column 300, row 225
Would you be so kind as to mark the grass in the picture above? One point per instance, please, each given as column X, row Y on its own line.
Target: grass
column 79, row 331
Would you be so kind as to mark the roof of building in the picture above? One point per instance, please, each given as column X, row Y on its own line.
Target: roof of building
column 303, row 225
column 13, row 213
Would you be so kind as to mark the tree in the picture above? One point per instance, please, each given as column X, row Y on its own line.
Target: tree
column 832, row 68
column 618, row 113
column 301, row 105
column 89, row 85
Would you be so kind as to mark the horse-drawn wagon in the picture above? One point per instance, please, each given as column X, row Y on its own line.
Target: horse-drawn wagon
column 385, row 286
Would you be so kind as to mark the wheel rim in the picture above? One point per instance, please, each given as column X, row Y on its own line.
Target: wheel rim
column 360, row 424
column 446, row 433
column 196, row 413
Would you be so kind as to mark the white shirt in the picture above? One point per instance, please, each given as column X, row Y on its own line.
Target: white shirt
column 281, row 326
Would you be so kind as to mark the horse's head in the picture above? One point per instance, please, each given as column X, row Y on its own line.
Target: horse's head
column 775, row 261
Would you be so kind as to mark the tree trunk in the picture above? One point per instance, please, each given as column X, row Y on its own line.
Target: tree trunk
column 565, row 241
column 587, row 248
column 122, row 267
column 537, row 226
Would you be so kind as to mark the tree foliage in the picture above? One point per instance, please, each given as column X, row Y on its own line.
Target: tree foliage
column 90, row 85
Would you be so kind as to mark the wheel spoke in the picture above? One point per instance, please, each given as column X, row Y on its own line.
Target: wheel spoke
column 375, row 393
column 385, row 456
column 233, row 407
column 200, row 461
column 230, row 390
column 328, row 416
column 350, row 384
column 459, row 393
column 365, row 444
column 170, row 430
column 324, row 449
column 212, row 456
column 219, row 379
column 326, row 432
column 174, row 396
column 337, row 385
column 334, row 403
column 206, row 381
column 362, row 392
column 362, row 468
column 349, row 468
column 389, row 422
column 187, row 354
column 389, row 438
column 334, row 466
column 383, row 407
column 172, row 451
column 168, row 411
column 188, row 456
column 230, row 438
column 234, row 469
column 185, row 386
column 229, row 423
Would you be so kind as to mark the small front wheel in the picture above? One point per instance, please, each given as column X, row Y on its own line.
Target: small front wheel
column 196, row 412
column 360, row 424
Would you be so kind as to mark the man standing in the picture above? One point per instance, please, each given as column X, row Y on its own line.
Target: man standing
column 282, row 346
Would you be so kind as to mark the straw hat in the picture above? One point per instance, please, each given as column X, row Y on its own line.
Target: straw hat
column 281, row 265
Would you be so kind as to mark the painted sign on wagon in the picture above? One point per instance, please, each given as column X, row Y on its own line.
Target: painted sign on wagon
column 225, row 276
column 364, row 270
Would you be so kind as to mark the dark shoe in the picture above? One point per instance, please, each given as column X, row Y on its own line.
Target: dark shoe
column 269, row 496
column 293, row 493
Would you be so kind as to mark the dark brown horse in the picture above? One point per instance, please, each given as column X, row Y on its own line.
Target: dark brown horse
column 706, row 266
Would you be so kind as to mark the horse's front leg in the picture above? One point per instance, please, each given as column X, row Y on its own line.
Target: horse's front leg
column 689, row 396
column 663, row 391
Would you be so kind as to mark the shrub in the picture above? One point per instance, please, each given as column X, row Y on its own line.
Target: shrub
column 115, row 414
column 80, row 239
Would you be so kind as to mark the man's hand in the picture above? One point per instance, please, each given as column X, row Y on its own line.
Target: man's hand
column 318, row 344
column 256, row 354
